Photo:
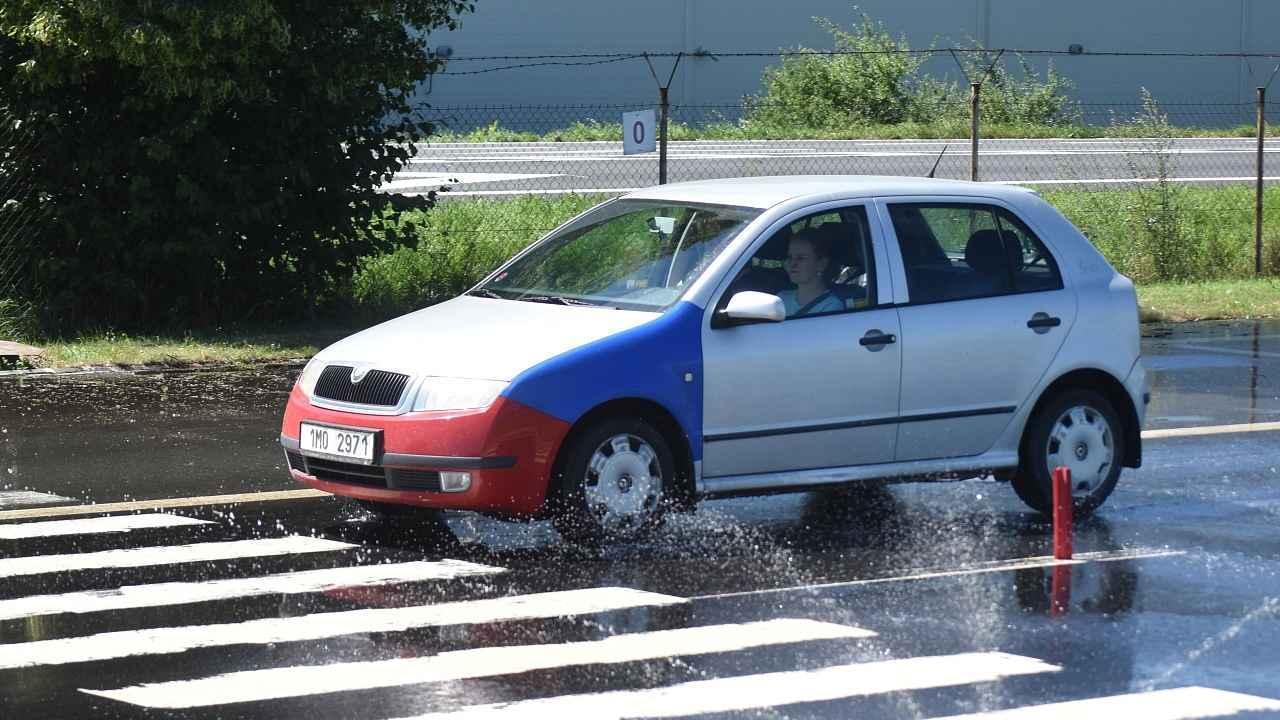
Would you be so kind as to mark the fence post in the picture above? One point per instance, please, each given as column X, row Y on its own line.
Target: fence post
column 663, row 107
column 975, row 94
column 1257, row 201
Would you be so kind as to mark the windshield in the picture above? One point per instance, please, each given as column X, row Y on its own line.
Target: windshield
column 633, row 254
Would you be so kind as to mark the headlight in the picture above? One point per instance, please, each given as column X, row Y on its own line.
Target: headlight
column 310, row 374
column 439, row 393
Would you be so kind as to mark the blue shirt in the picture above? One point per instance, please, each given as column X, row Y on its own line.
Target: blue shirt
column 826, row 303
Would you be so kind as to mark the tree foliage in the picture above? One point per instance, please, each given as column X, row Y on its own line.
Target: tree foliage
column 207, row 161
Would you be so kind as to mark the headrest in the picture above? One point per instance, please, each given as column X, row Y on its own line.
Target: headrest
column 987, row 254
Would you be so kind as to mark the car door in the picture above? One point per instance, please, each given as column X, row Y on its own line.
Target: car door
column 983, row 311
column 819, row 389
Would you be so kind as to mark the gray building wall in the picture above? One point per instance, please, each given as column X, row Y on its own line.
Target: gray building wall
column 512, row 27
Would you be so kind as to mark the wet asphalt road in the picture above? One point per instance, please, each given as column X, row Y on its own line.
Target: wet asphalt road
column 1180, row 587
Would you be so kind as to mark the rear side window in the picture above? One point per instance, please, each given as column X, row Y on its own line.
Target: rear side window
column 956, row 251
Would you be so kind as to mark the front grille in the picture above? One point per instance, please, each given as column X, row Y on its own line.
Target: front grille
column 428, row 480
column 349, row 473
column 379, row 387
column 367, row 475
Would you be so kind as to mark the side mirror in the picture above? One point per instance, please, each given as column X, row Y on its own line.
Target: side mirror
column 750, row 306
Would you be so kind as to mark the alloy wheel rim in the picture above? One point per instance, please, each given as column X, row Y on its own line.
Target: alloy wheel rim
column 1081, row 440
column 624, row 484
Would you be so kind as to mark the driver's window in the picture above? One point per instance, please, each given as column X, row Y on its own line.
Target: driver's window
column 820, row 264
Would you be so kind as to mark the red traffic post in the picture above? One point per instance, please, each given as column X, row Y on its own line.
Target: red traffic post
column 1060, row 591
column 1062, row 507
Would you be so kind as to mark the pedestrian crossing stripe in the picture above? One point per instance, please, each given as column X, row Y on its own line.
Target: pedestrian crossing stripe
column 751, row 692
column 166, row 555
column 316, row 626
column 1176, row 704
column 98, row 525
column 20, row 498
column 287, row 682
column 291, row 583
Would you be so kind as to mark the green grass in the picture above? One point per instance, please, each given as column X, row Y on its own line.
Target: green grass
column 167, row 351
column 460, row 240
column 1211, row 300
column 1172, row 232
column 611, row 130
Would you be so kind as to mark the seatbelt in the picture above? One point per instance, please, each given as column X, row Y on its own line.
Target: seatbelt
column 809, row 305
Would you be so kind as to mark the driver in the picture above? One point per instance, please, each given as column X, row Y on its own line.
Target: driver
column 808, row 264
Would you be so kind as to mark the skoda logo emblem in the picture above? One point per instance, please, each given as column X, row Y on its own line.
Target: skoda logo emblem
column 357, row 374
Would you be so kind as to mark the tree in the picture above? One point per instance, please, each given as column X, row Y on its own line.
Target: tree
column 206, row 161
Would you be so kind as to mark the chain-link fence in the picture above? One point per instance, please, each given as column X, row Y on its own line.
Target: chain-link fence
column 1169, row 188
column 579, row 148
column 20, row 216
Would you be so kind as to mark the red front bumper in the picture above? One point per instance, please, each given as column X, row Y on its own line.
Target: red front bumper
column 506, row 429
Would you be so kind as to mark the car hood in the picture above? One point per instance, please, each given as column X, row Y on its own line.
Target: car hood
column 480, row 338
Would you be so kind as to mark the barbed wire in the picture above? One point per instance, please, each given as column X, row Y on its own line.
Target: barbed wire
column 902, row 51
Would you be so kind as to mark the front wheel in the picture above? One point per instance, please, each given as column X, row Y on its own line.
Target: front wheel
column 1078, row 430
column 615, row 482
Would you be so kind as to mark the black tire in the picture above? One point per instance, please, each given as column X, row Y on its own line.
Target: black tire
column 580, row 511
column 1033, row 481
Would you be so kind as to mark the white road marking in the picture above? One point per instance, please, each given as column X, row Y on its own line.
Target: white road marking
column 1092, row 181
column 293, row 583
column 18, row 498
column 748, row 692
column 288, row 682
column 420, row 179
column 1177, row 704
column 575, row 191
column 158, row 641
column 681, row 153
column 93, row 526
column 161, row 504
column 1132, row 181
column 992, row 567
column 1206, row 348
column 166, row 555
column 1210, row 430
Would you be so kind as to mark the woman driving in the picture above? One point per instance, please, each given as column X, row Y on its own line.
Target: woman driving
column 808, row 264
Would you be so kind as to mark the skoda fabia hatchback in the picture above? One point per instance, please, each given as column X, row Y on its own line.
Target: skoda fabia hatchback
column 742, row 336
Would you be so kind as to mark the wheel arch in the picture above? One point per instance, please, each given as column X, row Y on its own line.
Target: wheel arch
column 1114, row 391
column 652, row 412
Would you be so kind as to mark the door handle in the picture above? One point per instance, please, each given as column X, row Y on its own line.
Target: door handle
column 875, row 339
column 1041, row 322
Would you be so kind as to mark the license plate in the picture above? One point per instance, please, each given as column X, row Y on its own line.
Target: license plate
column 338, row 442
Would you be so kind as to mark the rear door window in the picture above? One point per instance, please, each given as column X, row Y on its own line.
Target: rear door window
column 960, row 251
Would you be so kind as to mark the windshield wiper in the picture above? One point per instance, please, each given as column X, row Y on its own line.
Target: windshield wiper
column 483, row 292
column 556, row 300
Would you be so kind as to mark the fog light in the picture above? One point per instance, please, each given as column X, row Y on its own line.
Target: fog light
column 455, row 481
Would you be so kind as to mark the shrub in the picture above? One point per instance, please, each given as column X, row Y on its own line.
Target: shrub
column 451, row 247
column 881, row 83
column 822, row 90
column 192, row 153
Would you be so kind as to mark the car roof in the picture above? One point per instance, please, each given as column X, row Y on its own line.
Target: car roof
column 765, row 192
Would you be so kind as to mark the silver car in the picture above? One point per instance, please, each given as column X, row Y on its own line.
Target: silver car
column 743, row 336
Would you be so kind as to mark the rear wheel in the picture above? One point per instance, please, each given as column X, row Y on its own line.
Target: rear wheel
column 615, row 482
column 1077, row 429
